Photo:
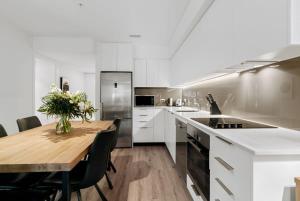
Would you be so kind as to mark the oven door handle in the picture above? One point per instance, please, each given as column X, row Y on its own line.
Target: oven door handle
column 194, row 145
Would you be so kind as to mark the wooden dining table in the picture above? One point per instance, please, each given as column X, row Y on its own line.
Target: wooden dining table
column 42, row 150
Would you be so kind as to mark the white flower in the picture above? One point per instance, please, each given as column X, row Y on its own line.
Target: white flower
column 81, row 106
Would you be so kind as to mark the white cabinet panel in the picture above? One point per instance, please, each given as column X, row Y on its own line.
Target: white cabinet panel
column 159, row 123
column 257, row 34
column 143, row 134
column 140, row 73
column 170, row 134
column 125, row 57
column 158, row 73
column 106, row 56
column 115, row 56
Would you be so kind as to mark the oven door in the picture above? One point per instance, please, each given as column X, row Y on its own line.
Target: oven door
column 198, row 166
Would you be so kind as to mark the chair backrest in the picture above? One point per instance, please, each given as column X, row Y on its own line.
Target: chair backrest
column 117, row 123
column 2, row 131
column 98, row 158
column 28, row 123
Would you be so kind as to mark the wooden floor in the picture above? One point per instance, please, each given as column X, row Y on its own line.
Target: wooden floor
column 145, row 173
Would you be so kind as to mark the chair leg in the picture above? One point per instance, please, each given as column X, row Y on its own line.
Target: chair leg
column 54, row 196
column 100, row 193
column 108, row 181
column 78, row 195
column 112, row 166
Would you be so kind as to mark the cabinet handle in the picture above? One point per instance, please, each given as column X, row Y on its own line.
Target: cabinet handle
column 226, row 165
column 226, row 141
column 144, row 127
column 143, row 115
column 195, row 190
column 224, row 187
column 217, row 200
column 143, row 121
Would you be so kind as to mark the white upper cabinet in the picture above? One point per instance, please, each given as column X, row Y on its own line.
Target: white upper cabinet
column 106, row 56
column 125, row 57
column 256, row 32
column 152, row 73
column 115, row 57
column 140, row 73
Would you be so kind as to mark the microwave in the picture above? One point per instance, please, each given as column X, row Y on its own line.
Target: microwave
column 144, row 100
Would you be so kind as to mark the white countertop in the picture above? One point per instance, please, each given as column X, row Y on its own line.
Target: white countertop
column 262, row 141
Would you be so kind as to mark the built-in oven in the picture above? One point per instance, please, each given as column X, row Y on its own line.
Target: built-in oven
column 144, row 100
column 198, row 145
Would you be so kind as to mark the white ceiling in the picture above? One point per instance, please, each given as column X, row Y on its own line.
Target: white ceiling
column 103, row 20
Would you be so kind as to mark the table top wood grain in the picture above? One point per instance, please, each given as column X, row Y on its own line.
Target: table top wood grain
column 42, row 150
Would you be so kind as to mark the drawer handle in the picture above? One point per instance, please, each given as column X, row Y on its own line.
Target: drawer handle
column 224, row 187
column 217, row 200
column 225, row 165
column 143, row 121
column 144, row 127
column 195, row 190
column 227, row 142
column 143, row 115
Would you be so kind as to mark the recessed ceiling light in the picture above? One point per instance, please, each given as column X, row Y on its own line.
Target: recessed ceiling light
column 80, row 3
column 135, row 36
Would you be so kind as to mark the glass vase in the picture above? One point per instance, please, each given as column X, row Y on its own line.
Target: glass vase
column 63, row 126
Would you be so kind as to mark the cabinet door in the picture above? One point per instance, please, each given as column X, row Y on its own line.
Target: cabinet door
column 172, row 137
column 152, row 73
column 158, row 73
column 164, row 72
column 107, row 56
column 159, row 122
column 140, row 73
column 125, row 57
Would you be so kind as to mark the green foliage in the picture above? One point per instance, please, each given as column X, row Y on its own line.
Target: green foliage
column 65, row 104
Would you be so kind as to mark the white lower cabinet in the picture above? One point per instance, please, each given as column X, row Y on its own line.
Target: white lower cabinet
column 143, row 125
column 154, row 125
column 170, row 134
column 159, row 124
column 148, row 125
column 230, row 171
column 192, row 191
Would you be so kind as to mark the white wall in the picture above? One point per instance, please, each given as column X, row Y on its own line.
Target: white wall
column 75, row 78
column 17, row 75
column 45, row 76
column 295, row 21
column 89, row 86
column 230, row 32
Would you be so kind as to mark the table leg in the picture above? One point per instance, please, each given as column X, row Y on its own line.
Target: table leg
column 66, row 189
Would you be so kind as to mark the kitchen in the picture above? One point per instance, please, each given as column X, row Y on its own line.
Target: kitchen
column 206, row 93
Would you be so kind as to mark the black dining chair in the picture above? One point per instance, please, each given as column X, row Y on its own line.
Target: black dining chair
column 116, row 124
column 9, row 181
column 89, row 172
column 28, row 123
column 3, row 132
column 28, row 194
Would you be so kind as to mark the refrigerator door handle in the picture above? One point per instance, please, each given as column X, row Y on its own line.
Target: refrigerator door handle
column 101, row 110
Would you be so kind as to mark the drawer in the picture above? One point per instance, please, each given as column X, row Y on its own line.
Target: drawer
column 143, row 123
column 219, row 168
column 233, row 166
column 195, row 196
column 219, row 191
column 143, row 113
column 226, row 150
column 143, row 134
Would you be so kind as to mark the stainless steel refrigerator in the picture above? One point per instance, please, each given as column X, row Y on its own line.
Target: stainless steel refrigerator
column 116, row 102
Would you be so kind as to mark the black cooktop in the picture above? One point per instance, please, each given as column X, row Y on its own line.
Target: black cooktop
column 230, row 123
